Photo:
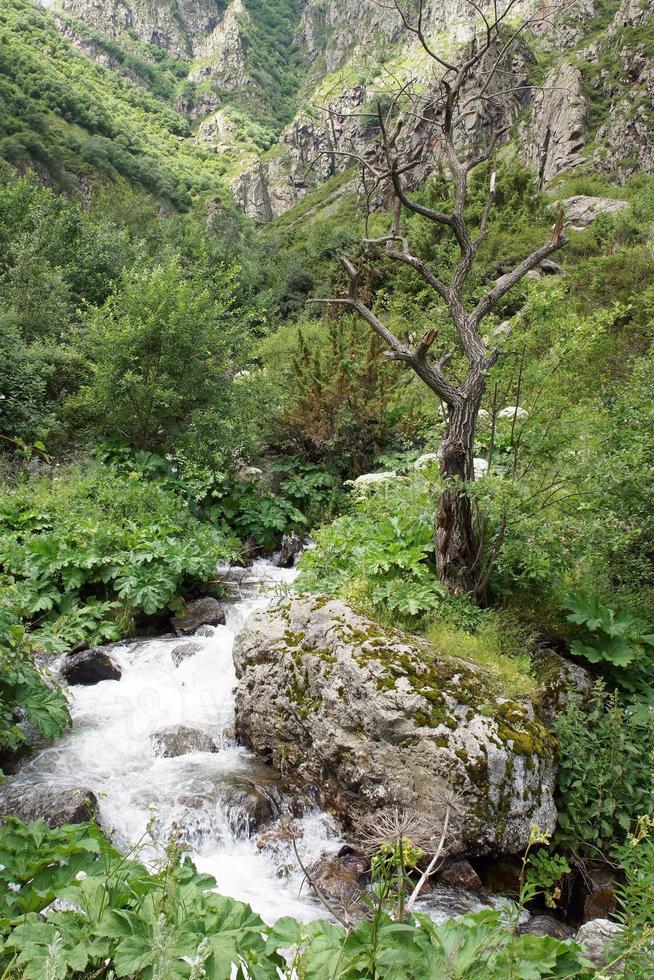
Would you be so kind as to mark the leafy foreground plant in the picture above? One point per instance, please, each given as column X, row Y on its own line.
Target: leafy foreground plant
column 25, row 692
column 619, row 642
column 605, row 774
column 80, row 555
column 378, row 556
column 171, row 924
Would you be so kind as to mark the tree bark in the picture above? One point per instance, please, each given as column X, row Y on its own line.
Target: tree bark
column 455, row 539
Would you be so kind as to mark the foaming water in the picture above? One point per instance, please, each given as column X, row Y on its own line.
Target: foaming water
column 110, row 751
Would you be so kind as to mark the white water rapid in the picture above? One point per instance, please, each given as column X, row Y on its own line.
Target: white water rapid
column 109, row 751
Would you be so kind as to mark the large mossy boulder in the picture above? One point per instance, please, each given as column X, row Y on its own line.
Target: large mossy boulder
column 376, row 719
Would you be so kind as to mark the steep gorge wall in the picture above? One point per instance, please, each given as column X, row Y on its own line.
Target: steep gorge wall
column 594, row 107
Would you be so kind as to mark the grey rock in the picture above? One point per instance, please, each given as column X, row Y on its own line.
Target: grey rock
column 340, row 882
column 205, row 631
column 582, row 209
column 547, row 925
column 556, row 134
column 201, row 612
column 375, row 718
column 559, row 678
column 89, row 667
column 54, row 805
column 293, row 545
column 596, row 938
column 551, row 268
column 247, row 805
column 185, row 650
column 177, row 740
column 177, row 28
column 11, row 758
column 461, row 874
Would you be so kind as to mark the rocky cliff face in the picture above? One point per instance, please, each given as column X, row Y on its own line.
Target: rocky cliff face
column 178, row 28
column 593, row 109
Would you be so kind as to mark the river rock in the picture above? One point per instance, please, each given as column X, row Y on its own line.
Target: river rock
column 168, row 743
column 600, row 900
column 596, row 938
column 293, row 545
column 247, row 804
column 202, row 612
column 461, row 874
column 56, row 806
column 89, row 667
column 279, row 837
column 340, row 882
column 547, row 925
column 376, row 719
column 183, row 651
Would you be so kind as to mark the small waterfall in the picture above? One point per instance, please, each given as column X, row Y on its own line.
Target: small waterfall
column 110, row 751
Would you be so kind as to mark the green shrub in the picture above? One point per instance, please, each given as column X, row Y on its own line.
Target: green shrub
column 83, row 552
column 605, row 773
column 380, row 556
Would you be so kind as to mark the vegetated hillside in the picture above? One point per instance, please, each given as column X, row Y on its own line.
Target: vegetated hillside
column 77, row 121
column 283, row 91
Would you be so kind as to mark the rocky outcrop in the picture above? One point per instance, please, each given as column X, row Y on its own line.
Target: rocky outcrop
column 202, row 612
column 177, row 26
column 56, row 806
column 221, row 55
column 555, row 136
column 596, row 939
column 169, row 743
column 378, row 720
column 89, row 667
column 624, row 83
column 581, row 211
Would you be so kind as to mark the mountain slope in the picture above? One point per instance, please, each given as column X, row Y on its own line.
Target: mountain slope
column 77, row 121
column 184, row 93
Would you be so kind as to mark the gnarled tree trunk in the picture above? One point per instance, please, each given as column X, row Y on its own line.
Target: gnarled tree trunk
column 455, row 540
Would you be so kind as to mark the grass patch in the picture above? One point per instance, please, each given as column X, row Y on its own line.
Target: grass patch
column 502, row 649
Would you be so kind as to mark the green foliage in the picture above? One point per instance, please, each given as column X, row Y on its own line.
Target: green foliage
column 82, row 553
column 26, row 694
column 158, row 352
column 378, row 556
column 173, row 924
column 605, row 773
column 491, row 639
column 337, row 395
column 254, row 512
column 634, row 949
column 618, row 641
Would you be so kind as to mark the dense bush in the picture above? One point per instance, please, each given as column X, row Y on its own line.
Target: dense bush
column 173, row 924
column 82, row 553
column 605, row 773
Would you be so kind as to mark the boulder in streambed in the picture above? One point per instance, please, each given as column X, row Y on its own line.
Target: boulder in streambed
column 176, row 740
column 378, row 719
column 56, row 806
column 201, row 612
column 89, row 667
column 183, row 651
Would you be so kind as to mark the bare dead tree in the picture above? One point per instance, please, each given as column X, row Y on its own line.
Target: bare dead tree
column 468, row 83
